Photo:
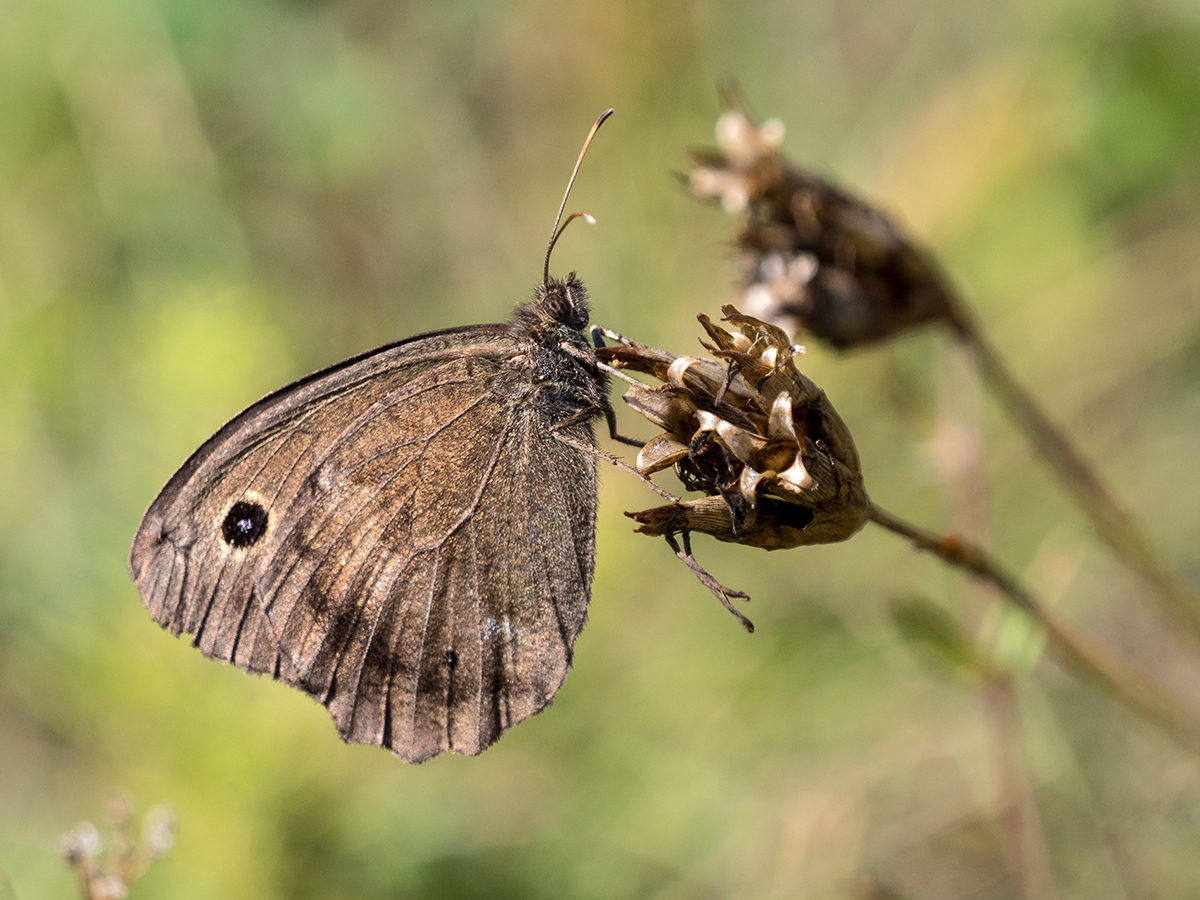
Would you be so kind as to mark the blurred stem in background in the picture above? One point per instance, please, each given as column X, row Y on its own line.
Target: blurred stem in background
column 1117, row 526
column 958, row 458
column 1083, row 655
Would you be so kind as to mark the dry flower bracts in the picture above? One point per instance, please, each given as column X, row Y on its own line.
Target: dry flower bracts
column 774, row 460
column 812, row 256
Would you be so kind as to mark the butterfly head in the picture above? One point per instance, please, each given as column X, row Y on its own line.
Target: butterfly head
column 563, row 302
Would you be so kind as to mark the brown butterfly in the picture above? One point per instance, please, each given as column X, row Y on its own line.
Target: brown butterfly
column 407, row 536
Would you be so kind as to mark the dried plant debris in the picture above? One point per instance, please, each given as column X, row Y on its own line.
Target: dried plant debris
column 816, row 259
column 774, row 461
column 106, row 872
column 812, row 256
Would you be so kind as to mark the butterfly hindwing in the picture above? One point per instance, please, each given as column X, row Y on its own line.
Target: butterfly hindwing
column 402, row 536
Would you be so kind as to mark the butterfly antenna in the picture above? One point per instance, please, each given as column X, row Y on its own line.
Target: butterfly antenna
column 556, row 231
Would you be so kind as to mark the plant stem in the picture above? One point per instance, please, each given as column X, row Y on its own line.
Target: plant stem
column 1116, row 526
column 1018, row 819
column 1075, row 649
column 1021, row 827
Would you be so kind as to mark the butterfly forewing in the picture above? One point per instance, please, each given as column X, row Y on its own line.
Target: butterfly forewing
column 404, row 536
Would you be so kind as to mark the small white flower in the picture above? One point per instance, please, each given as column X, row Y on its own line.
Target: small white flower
column 81, row 842
column 109, row 887
column 158, row 830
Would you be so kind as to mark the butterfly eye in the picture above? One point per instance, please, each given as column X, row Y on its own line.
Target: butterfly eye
column 566, row 303
column 576, row 301
column 244, row 524
column 557, row 305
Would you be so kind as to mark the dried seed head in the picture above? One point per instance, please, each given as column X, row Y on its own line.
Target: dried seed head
column 812, row 256
column 775, row 462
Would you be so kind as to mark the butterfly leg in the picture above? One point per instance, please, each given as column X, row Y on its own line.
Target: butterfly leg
column 610, row 416
column 730, row 374
column 599, row 333
column 719, row 590
column 609, row 458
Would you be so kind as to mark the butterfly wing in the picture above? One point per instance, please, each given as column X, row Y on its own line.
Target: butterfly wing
column 400, row 536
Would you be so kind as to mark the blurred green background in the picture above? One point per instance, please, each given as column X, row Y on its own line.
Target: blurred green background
column 200, row 201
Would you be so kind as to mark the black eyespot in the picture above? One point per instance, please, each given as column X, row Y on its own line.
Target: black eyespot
column 451, row 659
column 244, row 524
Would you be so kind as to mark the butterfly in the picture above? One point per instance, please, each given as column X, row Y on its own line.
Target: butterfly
column 407, row 536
